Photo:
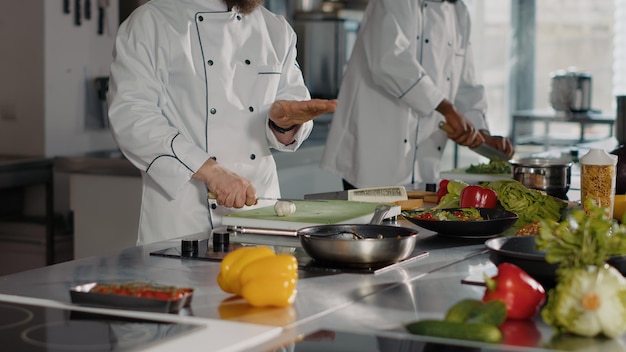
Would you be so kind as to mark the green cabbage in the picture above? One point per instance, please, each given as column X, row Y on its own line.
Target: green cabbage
column 530, row 205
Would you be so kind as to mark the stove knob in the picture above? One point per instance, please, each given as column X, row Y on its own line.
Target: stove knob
column 189, row 247
column 221, row 241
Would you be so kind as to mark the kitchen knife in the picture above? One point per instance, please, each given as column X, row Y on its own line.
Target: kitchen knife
column 291, row 199
column 213, row 196
column 484, row 149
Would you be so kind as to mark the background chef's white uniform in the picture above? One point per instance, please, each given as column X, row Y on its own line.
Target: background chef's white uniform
column 409, row 56
column 192, row 81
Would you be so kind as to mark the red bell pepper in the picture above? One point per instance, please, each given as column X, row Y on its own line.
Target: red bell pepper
column 522, row 294
column 478, row 197
column 442, row 190
column 520, row 333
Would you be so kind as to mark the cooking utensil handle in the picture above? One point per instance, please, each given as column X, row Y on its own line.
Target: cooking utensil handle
column 379, row 213
column 446, row 127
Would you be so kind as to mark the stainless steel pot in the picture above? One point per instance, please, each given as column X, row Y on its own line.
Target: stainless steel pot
column 308, row 5
column 571, row 91
column 552, row 176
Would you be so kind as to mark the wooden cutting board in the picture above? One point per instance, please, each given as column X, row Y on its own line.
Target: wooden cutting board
column 308, row 213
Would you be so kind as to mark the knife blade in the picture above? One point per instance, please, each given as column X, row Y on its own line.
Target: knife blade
column 485, row 150
column 213, row 196
column 291, row 199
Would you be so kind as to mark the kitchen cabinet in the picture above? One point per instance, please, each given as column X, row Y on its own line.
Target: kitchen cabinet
column 106, row 213
column 105, row 198
column 19, row 172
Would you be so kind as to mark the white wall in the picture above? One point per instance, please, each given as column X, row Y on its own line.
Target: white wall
column 47, row 67
column 75, row 55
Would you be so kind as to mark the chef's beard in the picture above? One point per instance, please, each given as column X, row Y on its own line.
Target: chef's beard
column 243, row 6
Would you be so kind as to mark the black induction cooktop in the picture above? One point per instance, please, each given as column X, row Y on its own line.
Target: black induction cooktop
column 32, row 328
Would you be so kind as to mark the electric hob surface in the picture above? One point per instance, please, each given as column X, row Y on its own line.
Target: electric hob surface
column 26, row 328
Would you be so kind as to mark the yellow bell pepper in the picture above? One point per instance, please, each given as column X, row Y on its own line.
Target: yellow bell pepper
column 261, row 277
column 238, row 309
column 234, row 262
column 270, row 281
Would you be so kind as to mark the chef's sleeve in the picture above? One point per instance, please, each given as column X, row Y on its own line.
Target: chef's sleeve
column 470, row 99
column 291, row 87
column 390, row 44
column 141, row 131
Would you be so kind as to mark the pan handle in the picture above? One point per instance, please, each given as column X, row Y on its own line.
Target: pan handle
column 379, row 213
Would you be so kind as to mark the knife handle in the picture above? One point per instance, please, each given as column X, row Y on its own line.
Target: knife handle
column 446, row 127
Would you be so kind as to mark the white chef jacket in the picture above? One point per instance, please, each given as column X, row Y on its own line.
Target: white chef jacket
column 408, row 57
column 191, row 80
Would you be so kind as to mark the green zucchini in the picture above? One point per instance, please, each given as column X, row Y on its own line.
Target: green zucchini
column 454, row 330
column 461, row 310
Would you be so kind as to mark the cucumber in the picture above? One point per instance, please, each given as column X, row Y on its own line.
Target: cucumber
column 461, row 311
column 491, row 312
column 454, row 330
column 477, row 311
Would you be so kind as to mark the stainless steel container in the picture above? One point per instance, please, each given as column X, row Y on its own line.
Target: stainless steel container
column 552, row 176
column 308, row 5
column 570, row 91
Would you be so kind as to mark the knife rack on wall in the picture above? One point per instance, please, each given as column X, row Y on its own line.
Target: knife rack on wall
column 83, row 11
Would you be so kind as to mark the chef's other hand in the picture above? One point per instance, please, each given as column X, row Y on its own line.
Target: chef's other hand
column 286, row 113
column 464, row 131
column 229, row 189
column 501, row 143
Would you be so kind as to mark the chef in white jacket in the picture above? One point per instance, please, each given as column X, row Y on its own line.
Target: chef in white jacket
column 200, row 90
column 410, row 69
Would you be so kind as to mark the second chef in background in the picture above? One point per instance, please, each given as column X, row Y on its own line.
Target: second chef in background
column 411, row 68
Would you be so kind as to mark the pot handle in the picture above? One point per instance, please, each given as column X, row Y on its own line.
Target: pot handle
column 379, row 213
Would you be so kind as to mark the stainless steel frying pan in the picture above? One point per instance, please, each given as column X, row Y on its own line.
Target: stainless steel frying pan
column 359, row 245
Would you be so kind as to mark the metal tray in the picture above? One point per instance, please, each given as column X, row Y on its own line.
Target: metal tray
column 80, row 295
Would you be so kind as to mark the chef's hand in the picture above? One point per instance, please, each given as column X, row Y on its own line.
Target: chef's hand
column 286, row 113
column 229, row 189
column 290, row 114
column 464, row 131
column 501, row 143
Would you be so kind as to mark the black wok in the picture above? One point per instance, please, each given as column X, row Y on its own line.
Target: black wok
column 522, row 251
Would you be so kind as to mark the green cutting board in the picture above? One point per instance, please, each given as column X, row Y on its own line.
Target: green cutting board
column 308, row 213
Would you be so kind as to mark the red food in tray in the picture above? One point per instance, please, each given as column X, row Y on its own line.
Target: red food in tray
column 133, row 296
